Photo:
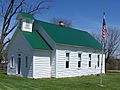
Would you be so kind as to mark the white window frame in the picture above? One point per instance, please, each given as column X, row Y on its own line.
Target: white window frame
column 67, row 60
column 98, row 62
column 79, row 59
column 26, row 61
column 90, row 62
column 12, row 62
column 27, row 24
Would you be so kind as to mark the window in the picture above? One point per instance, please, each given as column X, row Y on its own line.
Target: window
column 89, row 60
column 67, row 60
column 27, row 24
column 79, row 60
column 89, row 63
column 98, row 63
column 67, row 64
column 90, row 56
column 26, row 61
column 12, row 61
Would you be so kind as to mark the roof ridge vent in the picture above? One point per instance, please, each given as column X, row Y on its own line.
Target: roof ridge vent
column 61, row 23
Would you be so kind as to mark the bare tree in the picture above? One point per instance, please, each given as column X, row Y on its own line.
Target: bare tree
column 67, row 23
column 8, row 11
column 112, row 42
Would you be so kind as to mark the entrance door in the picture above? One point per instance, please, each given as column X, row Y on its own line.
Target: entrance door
column 19, row 65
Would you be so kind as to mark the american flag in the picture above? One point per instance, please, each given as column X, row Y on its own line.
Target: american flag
column 104, row 28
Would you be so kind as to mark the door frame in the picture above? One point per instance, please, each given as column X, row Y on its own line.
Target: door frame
column 19, row 64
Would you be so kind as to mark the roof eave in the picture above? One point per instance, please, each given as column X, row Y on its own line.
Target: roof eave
column 79, row 46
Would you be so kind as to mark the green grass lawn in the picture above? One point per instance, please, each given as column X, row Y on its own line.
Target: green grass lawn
column 111, row 82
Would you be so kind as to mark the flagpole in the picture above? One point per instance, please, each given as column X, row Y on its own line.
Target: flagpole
column 101, row 76
column 104, row 35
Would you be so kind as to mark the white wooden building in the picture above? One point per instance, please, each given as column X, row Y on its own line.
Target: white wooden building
column 43, row 50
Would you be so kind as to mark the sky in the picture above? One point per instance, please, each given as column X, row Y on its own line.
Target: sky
column 85, row 15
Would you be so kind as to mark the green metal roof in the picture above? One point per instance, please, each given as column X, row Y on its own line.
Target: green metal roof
column 69, row 36
column 35, row 40
column 25, row 15
column 60, row 34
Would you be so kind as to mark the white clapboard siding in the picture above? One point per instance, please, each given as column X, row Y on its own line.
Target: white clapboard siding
column 11, row 71
column 103, row 69
column 84, row 60
column 41, row 65
column 53, row 63
column 24, row 49
column 73, row 70
column 29, row 69
column 73, row 60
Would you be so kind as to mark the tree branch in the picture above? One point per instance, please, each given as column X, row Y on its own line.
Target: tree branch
column 37, row 7
column 6, row 42
column 13, row 13
column 11, row 29
column 9, row 10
